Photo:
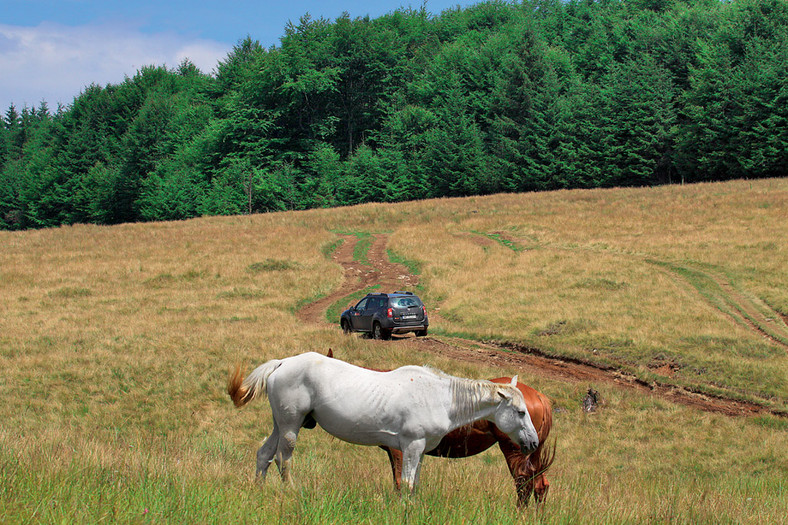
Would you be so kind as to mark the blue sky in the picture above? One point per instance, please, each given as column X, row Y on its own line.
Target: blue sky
column 51, row 49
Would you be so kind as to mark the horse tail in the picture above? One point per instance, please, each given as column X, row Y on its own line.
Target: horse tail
column 242, row 390
column 544, row 455
column 547, row 416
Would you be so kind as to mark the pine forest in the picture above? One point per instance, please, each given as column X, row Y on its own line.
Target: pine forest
column 498, row 97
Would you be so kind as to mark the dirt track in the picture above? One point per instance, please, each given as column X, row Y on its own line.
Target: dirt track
column 394, row 277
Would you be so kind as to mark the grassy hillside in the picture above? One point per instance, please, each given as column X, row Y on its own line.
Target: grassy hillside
column 115, row 344
column 694, row 277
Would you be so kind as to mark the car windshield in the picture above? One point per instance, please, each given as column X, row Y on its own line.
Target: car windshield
column 405, row 302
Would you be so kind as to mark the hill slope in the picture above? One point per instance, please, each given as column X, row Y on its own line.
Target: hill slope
column 115, row 342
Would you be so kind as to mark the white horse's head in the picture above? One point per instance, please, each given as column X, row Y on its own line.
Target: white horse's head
column 512, row 417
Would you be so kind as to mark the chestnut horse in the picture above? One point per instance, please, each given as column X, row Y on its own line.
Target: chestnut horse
column 528, row 471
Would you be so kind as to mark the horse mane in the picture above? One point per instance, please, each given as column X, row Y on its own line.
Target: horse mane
column 468, row 394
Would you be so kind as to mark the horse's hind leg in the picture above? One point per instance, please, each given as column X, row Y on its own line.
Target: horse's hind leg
column 265, row 454
column 412, row 454
column 395, row 458
column 284, row 452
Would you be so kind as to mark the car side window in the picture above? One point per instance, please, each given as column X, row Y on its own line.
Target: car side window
column 362, row 304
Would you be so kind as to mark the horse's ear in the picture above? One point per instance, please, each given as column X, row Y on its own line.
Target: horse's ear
column 514, row 381
column 505, row 394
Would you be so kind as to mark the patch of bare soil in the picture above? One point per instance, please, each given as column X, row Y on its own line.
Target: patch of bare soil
column 391, row 276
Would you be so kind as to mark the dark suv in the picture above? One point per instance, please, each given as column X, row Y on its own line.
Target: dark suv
column 383, row 314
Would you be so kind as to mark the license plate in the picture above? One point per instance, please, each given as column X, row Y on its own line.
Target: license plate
column 409, row 317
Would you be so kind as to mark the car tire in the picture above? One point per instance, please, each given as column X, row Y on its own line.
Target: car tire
column 379, row 333
column 421, row 333
column 345, row 327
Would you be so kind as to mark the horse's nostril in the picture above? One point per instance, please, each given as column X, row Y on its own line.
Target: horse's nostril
column 529, row 446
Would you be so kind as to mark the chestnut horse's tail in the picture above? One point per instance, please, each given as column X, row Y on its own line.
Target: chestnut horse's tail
column 547, row 416
column 542, row 458
column 243, row 390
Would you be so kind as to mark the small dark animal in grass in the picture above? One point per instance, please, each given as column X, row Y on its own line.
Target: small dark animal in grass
column 591, row 401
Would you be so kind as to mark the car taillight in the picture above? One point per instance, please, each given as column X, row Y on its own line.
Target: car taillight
column 390, row 313
column 424, row 309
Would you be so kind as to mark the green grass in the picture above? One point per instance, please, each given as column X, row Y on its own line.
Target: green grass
column 329, row 248
column 503, row 241
column 637, row 460
column 272, row 265
column 362, row 245
column 70, row 292
column 413, row 266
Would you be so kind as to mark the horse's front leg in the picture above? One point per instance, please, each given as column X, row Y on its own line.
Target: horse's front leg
column 519, row 468
column 265, row 454
column 541, row 486
column 412, row 454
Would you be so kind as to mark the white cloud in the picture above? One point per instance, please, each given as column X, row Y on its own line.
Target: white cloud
column 55, row 63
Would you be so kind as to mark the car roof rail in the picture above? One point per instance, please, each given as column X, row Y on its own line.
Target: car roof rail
column 404, row 293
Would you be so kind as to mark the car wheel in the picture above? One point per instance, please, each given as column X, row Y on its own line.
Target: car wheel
column 345, row 327
column 379, row 333
column 421, row 333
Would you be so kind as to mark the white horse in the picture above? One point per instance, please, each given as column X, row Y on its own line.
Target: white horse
column 409, row 409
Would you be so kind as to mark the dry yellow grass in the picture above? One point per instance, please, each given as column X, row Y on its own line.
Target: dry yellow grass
column 115, row 344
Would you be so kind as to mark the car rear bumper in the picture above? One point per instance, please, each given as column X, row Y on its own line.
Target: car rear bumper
column 406, row 329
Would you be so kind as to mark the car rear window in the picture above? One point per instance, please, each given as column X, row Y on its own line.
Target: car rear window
column 405, row 302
